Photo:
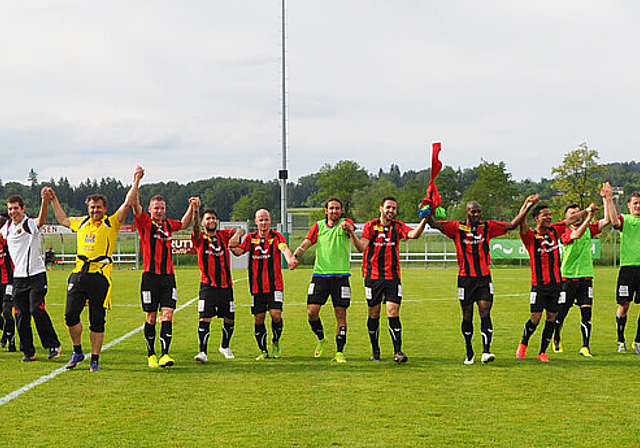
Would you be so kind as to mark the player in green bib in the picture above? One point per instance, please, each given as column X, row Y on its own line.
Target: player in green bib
column 331, row 272
column 629, row 276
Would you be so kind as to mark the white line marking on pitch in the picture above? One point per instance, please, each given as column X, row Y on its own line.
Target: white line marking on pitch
column 43, row 379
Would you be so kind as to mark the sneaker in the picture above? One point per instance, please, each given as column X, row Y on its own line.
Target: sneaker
column 29, row 358
column 622, row 347
column 340, row 358
column 469, row 361
column 487, row 358
column 226, row 352
column 202, row 358
column 584, row 351
column 521, row 351
column 54, row 353
column 636, row 347
column 400, row 358
column 76, row 358
column 94, row 367
column 542, row 357
column 557, row 347
column 375, row 356
column 320, row 347
column 12, row 348
column 275, row 349
column 166, row 361
column 152, row 361
column 262, row 356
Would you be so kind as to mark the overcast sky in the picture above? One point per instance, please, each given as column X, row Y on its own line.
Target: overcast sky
column 191, row 89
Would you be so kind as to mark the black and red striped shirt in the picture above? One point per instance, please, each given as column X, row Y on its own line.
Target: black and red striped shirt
column 6, row 265
column 544, row 254
column 213, row 258
column 265, row 264
column 472, row 245
column 155, row 241
column 381, row 258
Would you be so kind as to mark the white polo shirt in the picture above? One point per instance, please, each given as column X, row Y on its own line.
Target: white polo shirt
column 25, row 248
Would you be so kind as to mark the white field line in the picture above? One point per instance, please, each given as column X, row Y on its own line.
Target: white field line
column 43, row 379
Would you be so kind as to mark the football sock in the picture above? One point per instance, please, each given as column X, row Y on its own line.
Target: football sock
column 341, row 339
column 638, row 331
column 547, row 334
column 166, row 330
column 373, row 325
column 395, row 328
column 261, row 336
column 227, row 332
column 316, row 326
column 150, row 338
column 486, row 330
column 529, row 329
column 77, row 349
column 467, row 332
column 203, row 335
column 9, row 330
column 562, row 314
column 276, row 328
column 585, row 325
column 621, row 322
column 95, row 358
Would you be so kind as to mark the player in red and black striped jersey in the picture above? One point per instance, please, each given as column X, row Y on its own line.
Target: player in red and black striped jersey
column 471, row 238
column 543, row 245
column 216, row 285
column 158, row 286
column 380, row 242
column 266, row 247
column 7, row 322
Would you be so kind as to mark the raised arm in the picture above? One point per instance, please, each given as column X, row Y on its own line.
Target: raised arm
column 197, row 231
column 577, row 233
column 235, row 239
column 132, row 199
column 360, row 243
column 415, row 233
column 435, row 224
column 526, row 206
column 607, row 198
column 58, row 212
column 44, row 207
column 188, row 215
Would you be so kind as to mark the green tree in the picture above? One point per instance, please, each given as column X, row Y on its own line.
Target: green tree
column 341, row 181
column 245, row 208
column 366, row 201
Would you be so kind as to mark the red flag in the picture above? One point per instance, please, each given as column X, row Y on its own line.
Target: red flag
column 433, row 197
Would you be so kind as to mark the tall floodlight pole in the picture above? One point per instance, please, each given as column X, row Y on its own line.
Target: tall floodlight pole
column 283, row 174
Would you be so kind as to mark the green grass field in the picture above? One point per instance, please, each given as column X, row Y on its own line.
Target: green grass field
column 297, row 401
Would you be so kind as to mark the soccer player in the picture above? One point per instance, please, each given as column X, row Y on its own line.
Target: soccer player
column 577, row 268
column 543, row 245
column 331, row 271
column 29, row 277
column 7, row 323
column 380, row 243
column 158, row 286
column 471, row 238
column 265, row 247
column 216, row 285
column 629, row 276
column 90, row 280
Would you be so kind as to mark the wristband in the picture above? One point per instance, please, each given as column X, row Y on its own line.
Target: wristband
column 588, row 210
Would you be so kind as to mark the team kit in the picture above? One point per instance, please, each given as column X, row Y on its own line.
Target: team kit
column 560, row 279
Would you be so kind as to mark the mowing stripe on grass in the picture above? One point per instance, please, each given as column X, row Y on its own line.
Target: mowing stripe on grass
column 43, row 379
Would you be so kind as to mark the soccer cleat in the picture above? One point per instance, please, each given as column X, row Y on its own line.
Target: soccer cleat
column 469, row 361
column 275, row 349
column 557, row 347
column 262, row 356
column 584, row 351
column 202, row 358
column 166, row 361
column 226, row 352
column 94, row 366
column 636, row 347
column 320, row 347
column 400, row 358
column 375, row 356
column 29, row 358
column 521, row 351
column 76, row 358
column 54, row 353
column 340, row 358
column 487, row 358
column 622, row 347
column 542, row 357
column 152, row 361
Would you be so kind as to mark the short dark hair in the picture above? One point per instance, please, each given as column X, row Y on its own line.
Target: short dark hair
column 538, row 208
column 326, row 204
column 16, row 198
column 95, row 198
column 634, row 194
column 388, row 198
column 157, row 198
column 210, row 211
column 569, row 207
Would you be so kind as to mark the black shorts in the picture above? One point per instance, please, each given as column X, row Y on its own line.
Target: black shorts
column 628, row 285
column 264, row 301
column 545, row 297
column 474, row 289
column 375, row 289
column 321, row 287
column 577, row 291
column 158, row 291
column 91, row 288
column 215, row 302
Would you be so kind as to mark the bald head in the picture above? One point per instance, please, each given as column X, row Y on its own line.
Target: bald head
column 263, row 220
column 474, row 212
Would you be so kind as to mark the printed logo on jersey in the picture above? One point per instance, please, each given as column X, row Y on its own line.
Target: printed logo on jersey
column 90, row 238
